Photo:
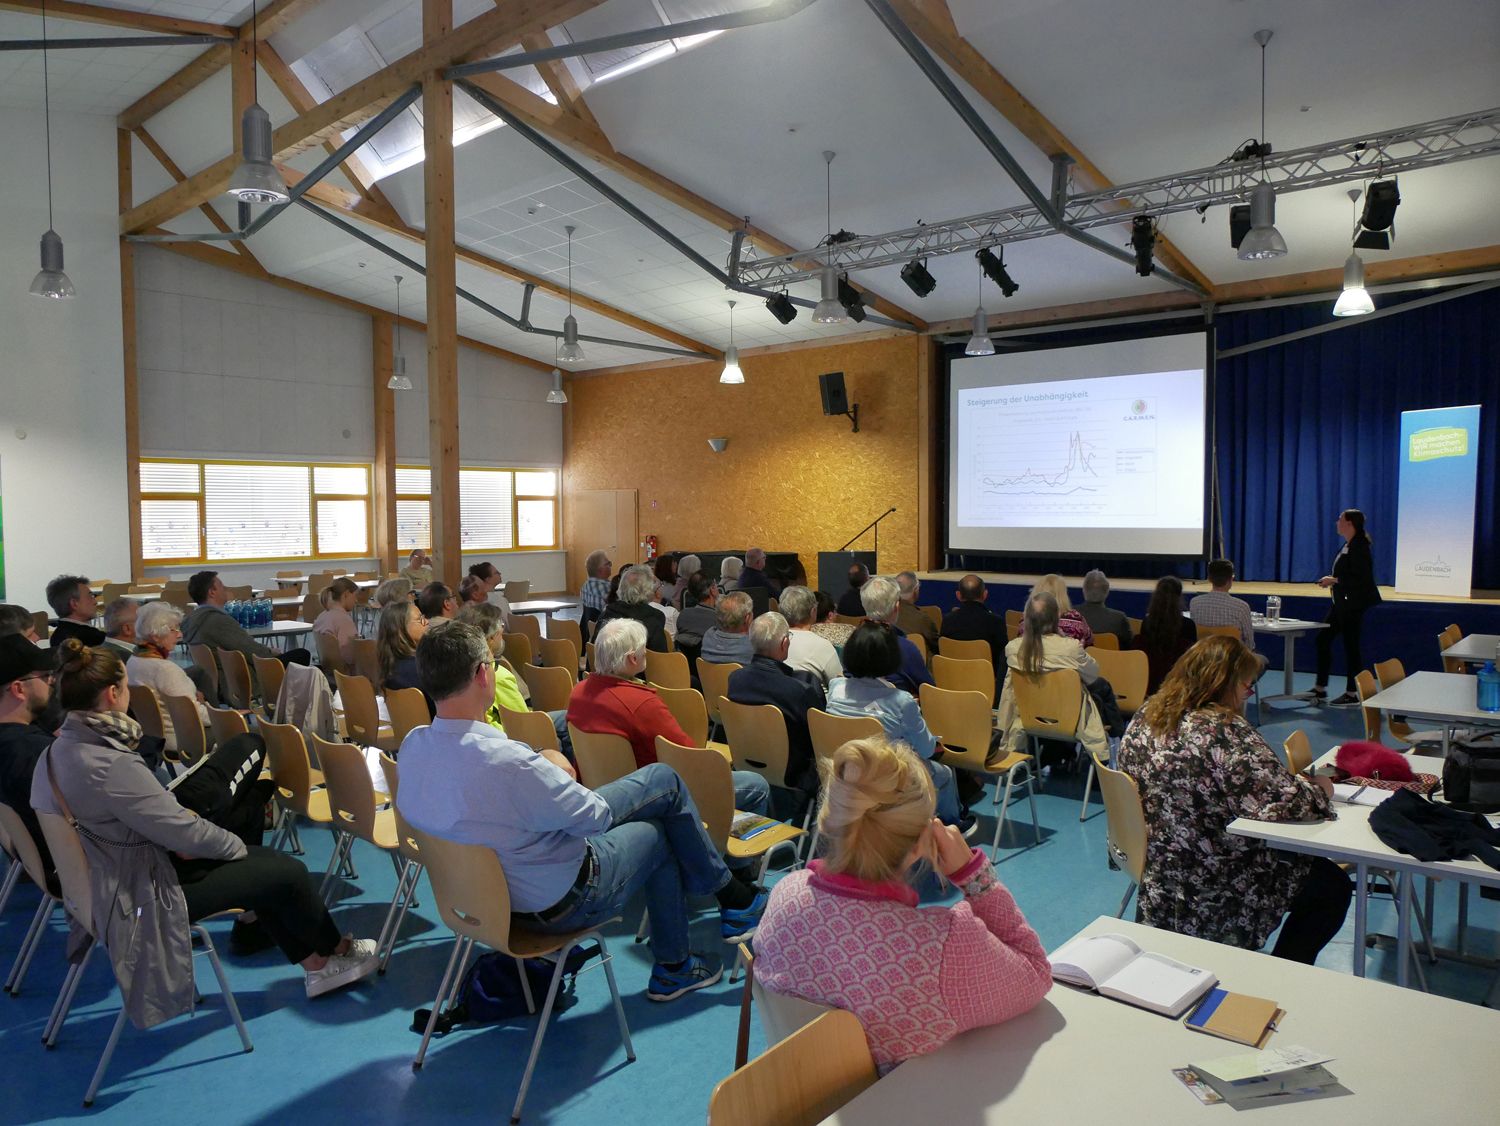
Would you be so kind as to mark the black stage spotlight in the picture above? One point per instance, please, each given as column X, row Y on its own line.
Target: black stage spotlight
column 851, row 299
column 1143, row 242
column 1239, row 224
column 1376, row 223
column 782, row 308
column 994, row 269
column 917, row 279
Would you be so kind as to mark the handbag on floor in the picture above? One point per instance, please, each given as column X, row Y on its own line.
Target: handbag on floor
column 492, row 990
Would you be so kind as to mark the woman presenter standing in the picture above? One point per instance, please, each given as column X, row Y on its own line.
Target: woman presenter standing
column 1352, row 585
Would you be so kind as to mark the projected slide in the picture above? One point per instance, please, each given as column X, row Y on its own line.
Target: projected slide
column 1048, row 464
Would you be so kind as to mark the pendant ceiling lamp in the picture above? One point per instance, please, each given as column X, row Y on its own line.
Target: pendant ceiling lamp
column 569, row 351
column 256, row 180
column 398, row 380
column 980, row 343
column 1263, row 240
column 557, row 394
column 731, row 372
column 1355, row 300
column 50, row 281
column 830, row 310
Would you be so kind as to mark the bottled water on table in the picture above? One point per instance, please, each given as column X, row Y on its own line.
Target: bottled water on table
column 1273, row 608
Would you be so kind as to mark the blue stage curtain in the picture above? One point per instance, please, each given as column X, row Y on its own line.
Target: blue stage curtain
column 1311, row 427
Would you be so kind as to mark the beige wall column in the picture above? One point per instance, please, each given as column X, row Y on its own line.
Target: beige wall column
column 383, row 538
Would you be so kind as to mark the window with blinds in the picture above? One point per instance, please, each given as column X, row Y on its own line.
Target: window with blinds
column 198, row 512
column 499, row 509
column 485, row 516
column 413, row 509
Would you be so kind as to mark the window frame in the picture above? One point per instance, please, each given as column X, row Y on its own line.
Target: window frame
column 515, row 499
column 313, row 497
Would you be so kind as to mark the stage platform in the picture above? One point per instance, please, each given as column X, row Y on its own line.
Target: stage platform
column 1404, row 625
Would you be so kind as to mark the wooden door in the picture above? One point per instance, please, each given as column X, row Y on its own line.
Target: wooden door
column 602, row 519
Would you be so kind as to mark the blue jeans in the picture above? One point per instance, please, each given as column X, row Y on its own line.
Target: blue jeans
column 656, row 846
column 559, row 720
column 752, row 794
column 947, row 792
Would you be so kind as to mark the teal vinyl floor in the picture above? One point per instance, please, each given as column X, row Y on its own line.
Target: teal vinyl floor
column 346, row 1057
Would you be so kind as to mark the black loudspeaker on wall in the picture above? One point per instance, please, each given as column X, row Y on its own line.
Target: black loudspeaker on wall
column 835, row 398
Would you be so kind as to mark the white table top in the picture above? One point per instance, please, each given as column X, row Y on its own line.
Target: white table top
column 1439, row 696
column 1476, row 648
column 1078, row 1058
column 280, row 629
column 1285, row 625
column 363, row 584
column 542, row 605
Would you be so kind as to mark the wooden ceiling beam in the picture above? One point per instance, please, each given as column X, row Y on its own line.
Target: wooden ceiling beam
column 273, row 17
column 175, row 172
column 118, row 17
column 933, row 24
column 480, row 37
column 559, row 80
column 194, row 74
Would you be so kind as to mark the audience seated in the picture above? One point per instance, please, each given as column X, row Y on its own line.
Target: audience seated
column 667, row 575
column 393, row 590
column 728, row 641
column 25, row 683
column 418, row 569
column 437, row 603
column 1165, row 633
column 595, row 593
column 754, row 573
column 572, row 857
column 74, row 604
column 835, row 633
column 208, row 624
column 700, row 613
column 973, row 964
column 634, row 601
column 1100, row 618
column 880, row 599
column 767, row 679
column 159, row 861
column 119, row 625
column 849, row 604
column 486, row 618
column 909, row 618
column 1042, row 649
column 810, row 652
column 1070, row 622
column 1217, row 607
column 17, row 619
column 971, row 620
column 472, row 590
column 872, row 656
column 337, row 618
column 687, row 567
column 1199, row 765
column 729, row 573
column 158, row 630
column 401, row 627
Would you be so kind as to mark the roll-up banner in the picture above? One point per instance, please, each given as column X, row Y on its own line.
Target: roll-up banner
column 1435, row 501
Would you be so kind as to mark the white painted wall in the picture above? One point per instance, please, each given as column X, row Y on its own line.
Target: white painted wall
column 62, row 486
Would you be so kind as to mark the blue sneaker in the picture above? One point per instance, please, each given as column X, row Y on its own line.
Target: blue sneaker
column 668, row 985
column 739, row 926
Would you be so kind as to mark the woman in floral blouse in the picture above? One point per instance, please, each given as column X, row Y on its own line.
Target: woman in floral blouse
column 1199, row 765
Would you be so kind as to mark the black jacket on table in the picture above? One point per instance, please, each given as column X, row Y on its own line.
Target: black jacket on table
column 1355, row 570
column 769, row 681
column 654, row 621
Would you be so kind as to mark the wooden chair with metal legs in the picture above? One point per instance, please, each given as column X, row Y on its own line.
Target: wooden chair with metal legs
column 352, row 802
column 152, row 717
column 1299, row 754
column 411, row 870
column 934, row 615
column 956, row 650
column 802, row 1080
column 473, row 900
column 517, row 590
column 270, row 672
column 1217, row 631
column 1128, row 672
column 1365, row 687
column 670, row 670
column 566, row 628
column 330, row 654
column 13, row 869
column 715, row 681
column 780, row 1014
column 237, row 686
column 367, row 659
column 1107, row 641
column 690, row 711
column 829, row 733
column 188, row 733
column 527, row 626
column 601, row 758
column 1389, row 674
column 965, row 674
column 25, row 857
column 1051, row 707
column 560, row 653
column 73, row 874
column 1124, row 827
column 203, row 658
column 551, row 687
column 757, row 738
column 964, row 724
column 362, row 723
column 1446, row 640
column 518, row 649
column 407, row 708
column 292, row 773
column 226, row 723
column 535, row 729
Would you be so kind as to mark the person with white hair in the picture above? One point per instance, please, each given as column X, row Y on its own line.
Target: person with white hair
column 730, row 569
column 594, row 595
column 634, row 601
column 1100, row 618
column 909, row 618
column 768, row 679
column 881, row 599
column 687, row 566
column 808, row 651
column 754, row 573
column 158, row 629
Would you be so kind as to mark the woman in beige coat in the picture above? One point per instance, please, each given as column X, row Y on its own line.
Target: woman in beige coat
column 1040, row 650
column 154, row 865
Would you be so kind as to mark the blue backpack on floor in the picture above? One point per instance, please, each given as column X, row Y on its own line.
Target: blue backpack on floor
column 492, row 990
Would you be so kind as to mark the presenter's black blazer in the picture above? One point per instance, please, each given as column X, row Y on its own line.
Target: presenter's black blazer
column 1355, row 570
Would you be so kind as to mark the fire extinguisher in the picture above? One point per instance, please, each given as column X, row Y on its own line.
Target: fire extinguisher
column 649, row 548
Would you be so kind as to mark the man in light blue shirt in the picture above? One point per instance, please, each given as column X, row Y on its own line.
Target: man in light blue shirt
column 573, row 857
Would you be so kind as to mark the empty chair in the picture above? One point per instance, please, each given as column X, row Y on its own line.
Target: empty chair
column 550, row 687
column 601, row 758
column 800, row 1081
column 362, row 723
column 310, row 609
column 1390, row 673
column 367, row 659
column 558, row 653
column 568, row 629
column 1298, row 751
column 330, row 656
column 1106, row 641
column 517, row 590
column 410, row 852
column 527, row 626
column 1365, row 686
column 110, row 591
column 535, row 729
column 237, row 688
column 965, row 675
column 1124, row 827
column 23, row 850
column 188, row 735
column 1128, row 672
column 473, row 900
column 715, row 681
column 351, row 803
column 407, row 708
column 270, row 672
column 203, row 658
column 1216, row 631
column 292, row 772
column 226, row 723
column 964, row 650
column 518, row 649
column 964, row 724
column 177, row 596
column 670, row 670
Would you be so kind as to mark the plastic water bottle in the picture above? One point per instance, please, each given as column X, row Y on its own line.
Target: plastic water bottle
column 1488, row 689
column 233, row 610
column 266, row 613
column 1273, row 608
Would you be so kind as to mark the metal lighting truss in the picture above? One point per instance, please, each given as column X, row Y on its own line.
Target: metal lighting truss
column 1428, row 145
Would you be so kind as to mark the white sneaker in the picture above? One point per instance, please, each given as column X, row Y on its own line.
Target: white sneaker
column 343, row 969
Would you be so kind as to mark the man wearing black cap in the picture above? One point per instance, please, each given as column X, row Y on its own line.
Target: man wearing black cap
column 25, row 683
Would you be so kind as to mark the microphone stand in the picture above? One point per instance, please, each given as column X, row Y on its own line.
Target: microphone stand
column 875, row 523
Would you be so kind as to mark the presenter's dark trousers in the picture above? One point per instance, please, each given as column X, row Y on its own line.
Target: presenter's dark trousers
column 1317, row 912
column 1342, row 622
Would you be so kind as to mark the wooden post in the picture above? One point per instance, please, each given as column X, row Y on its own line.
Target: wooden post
column 132, row 407
column 929, row 534
column 442, row 302
column 384, row 545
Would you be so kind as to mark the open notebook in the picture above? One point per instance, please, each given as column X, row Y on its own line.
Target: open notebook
column 1116, row 967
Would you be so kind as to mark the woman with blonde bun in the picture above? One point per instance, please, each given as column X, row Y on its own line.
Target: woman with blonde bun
column 846, row 932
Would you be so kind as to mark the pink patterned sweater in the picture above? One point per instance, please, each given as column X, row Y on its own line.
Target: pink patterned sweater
column 915, row 977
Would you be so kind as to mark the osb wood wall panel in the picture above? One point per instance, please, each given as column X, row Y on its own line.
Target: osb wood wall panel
column 790, row 479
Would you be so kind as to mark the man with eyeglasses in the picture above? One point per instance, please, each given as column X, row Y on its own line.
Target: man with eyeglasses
column 25, row 684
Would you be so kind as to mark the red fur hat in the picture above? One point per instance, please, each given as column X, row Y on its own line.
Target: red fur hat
column 1372, row 760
